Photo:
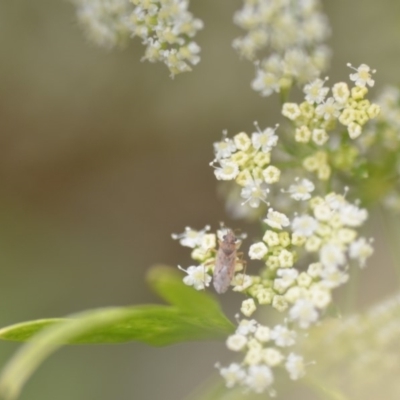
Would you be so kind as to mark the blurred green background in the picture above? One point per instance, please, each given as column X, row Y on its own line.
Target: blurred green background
column 103, row 156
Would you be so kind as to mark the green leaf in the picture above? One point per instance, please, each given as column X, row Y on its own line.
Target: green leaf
column 193, row 316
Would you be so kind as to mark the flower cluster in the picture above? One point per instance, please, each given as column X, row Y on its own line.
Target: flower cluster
column 105, row 21
column 292, row 32
column 166, row 28
column 316, row 119
column 307, row 248
column 247, row 160
column 264, row 349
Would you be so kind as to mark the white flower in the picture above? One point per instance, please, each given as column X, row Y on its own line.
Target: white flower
column 301, row 189
column 247, row 326
column 224, row 148
column 341, row 92
column 304, row 312
column 291, row 111
column 319, row 136
column 254, row 193
column 227, row 171
column 351, row 215
column 233, row 375
column 295, row 366
column 248, row 307
column 315, row 91
column 272, row 356
column 241, row 282
column 285, row 258
column 242, row 141
column 191, row 238
column 276, row 219
column 265, row 82
column 360, row 250
column 332, row 255
column 329, row 109
column 257, row 251
column 362, row 77
column 333, row 277
column 287, row 276
column 196, row 277
column 264, row 140
column 263, row 333
column 304, row 225
column 320, row 296
column 354, row 130
column 259, row 378
column 236, row 342
column 271, row 174
column 283, row 336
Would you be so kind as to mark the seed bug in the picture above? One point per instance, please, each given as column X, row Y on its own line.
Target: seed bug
column 225, row 261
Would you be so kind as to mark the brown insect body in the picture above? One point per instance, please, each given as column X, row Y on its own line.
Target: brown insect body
column 225, row 261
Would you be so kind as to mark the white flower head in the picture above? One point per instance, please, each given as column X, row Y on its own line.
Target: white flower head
column 329, row 109
column 227, row 170
column 254, row 193
column 276, row 219
column 233, row 375
column 224, row 148
column 351, row 215
column 265, row 82
column 295, row 366
column 191, row 238
column 257, row 251
column 283, row 336
column 332, row 255
column 248, row 307
column 236, row 342
column 362, row 77
column 197, row 277
column 247, row 326
column 360, row 250
column 304, row 225
column 301, row 189
column 341, row 92
column 291, row 111
column 259, row 378
column 271, row 174
column 264, row 140
column 304, row 312
column 315, row 91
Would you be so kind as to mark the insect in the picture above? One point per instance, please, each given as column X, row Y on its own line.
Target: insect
column 225, row 261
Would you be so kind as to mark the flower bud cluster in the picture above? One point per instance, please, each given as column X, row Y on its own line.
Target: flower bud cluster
column 316, row 118
column 264, row 349
column 166, row 28
column 307, row 249
column 105, row 22
column 292, row 32
column 246, row 160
